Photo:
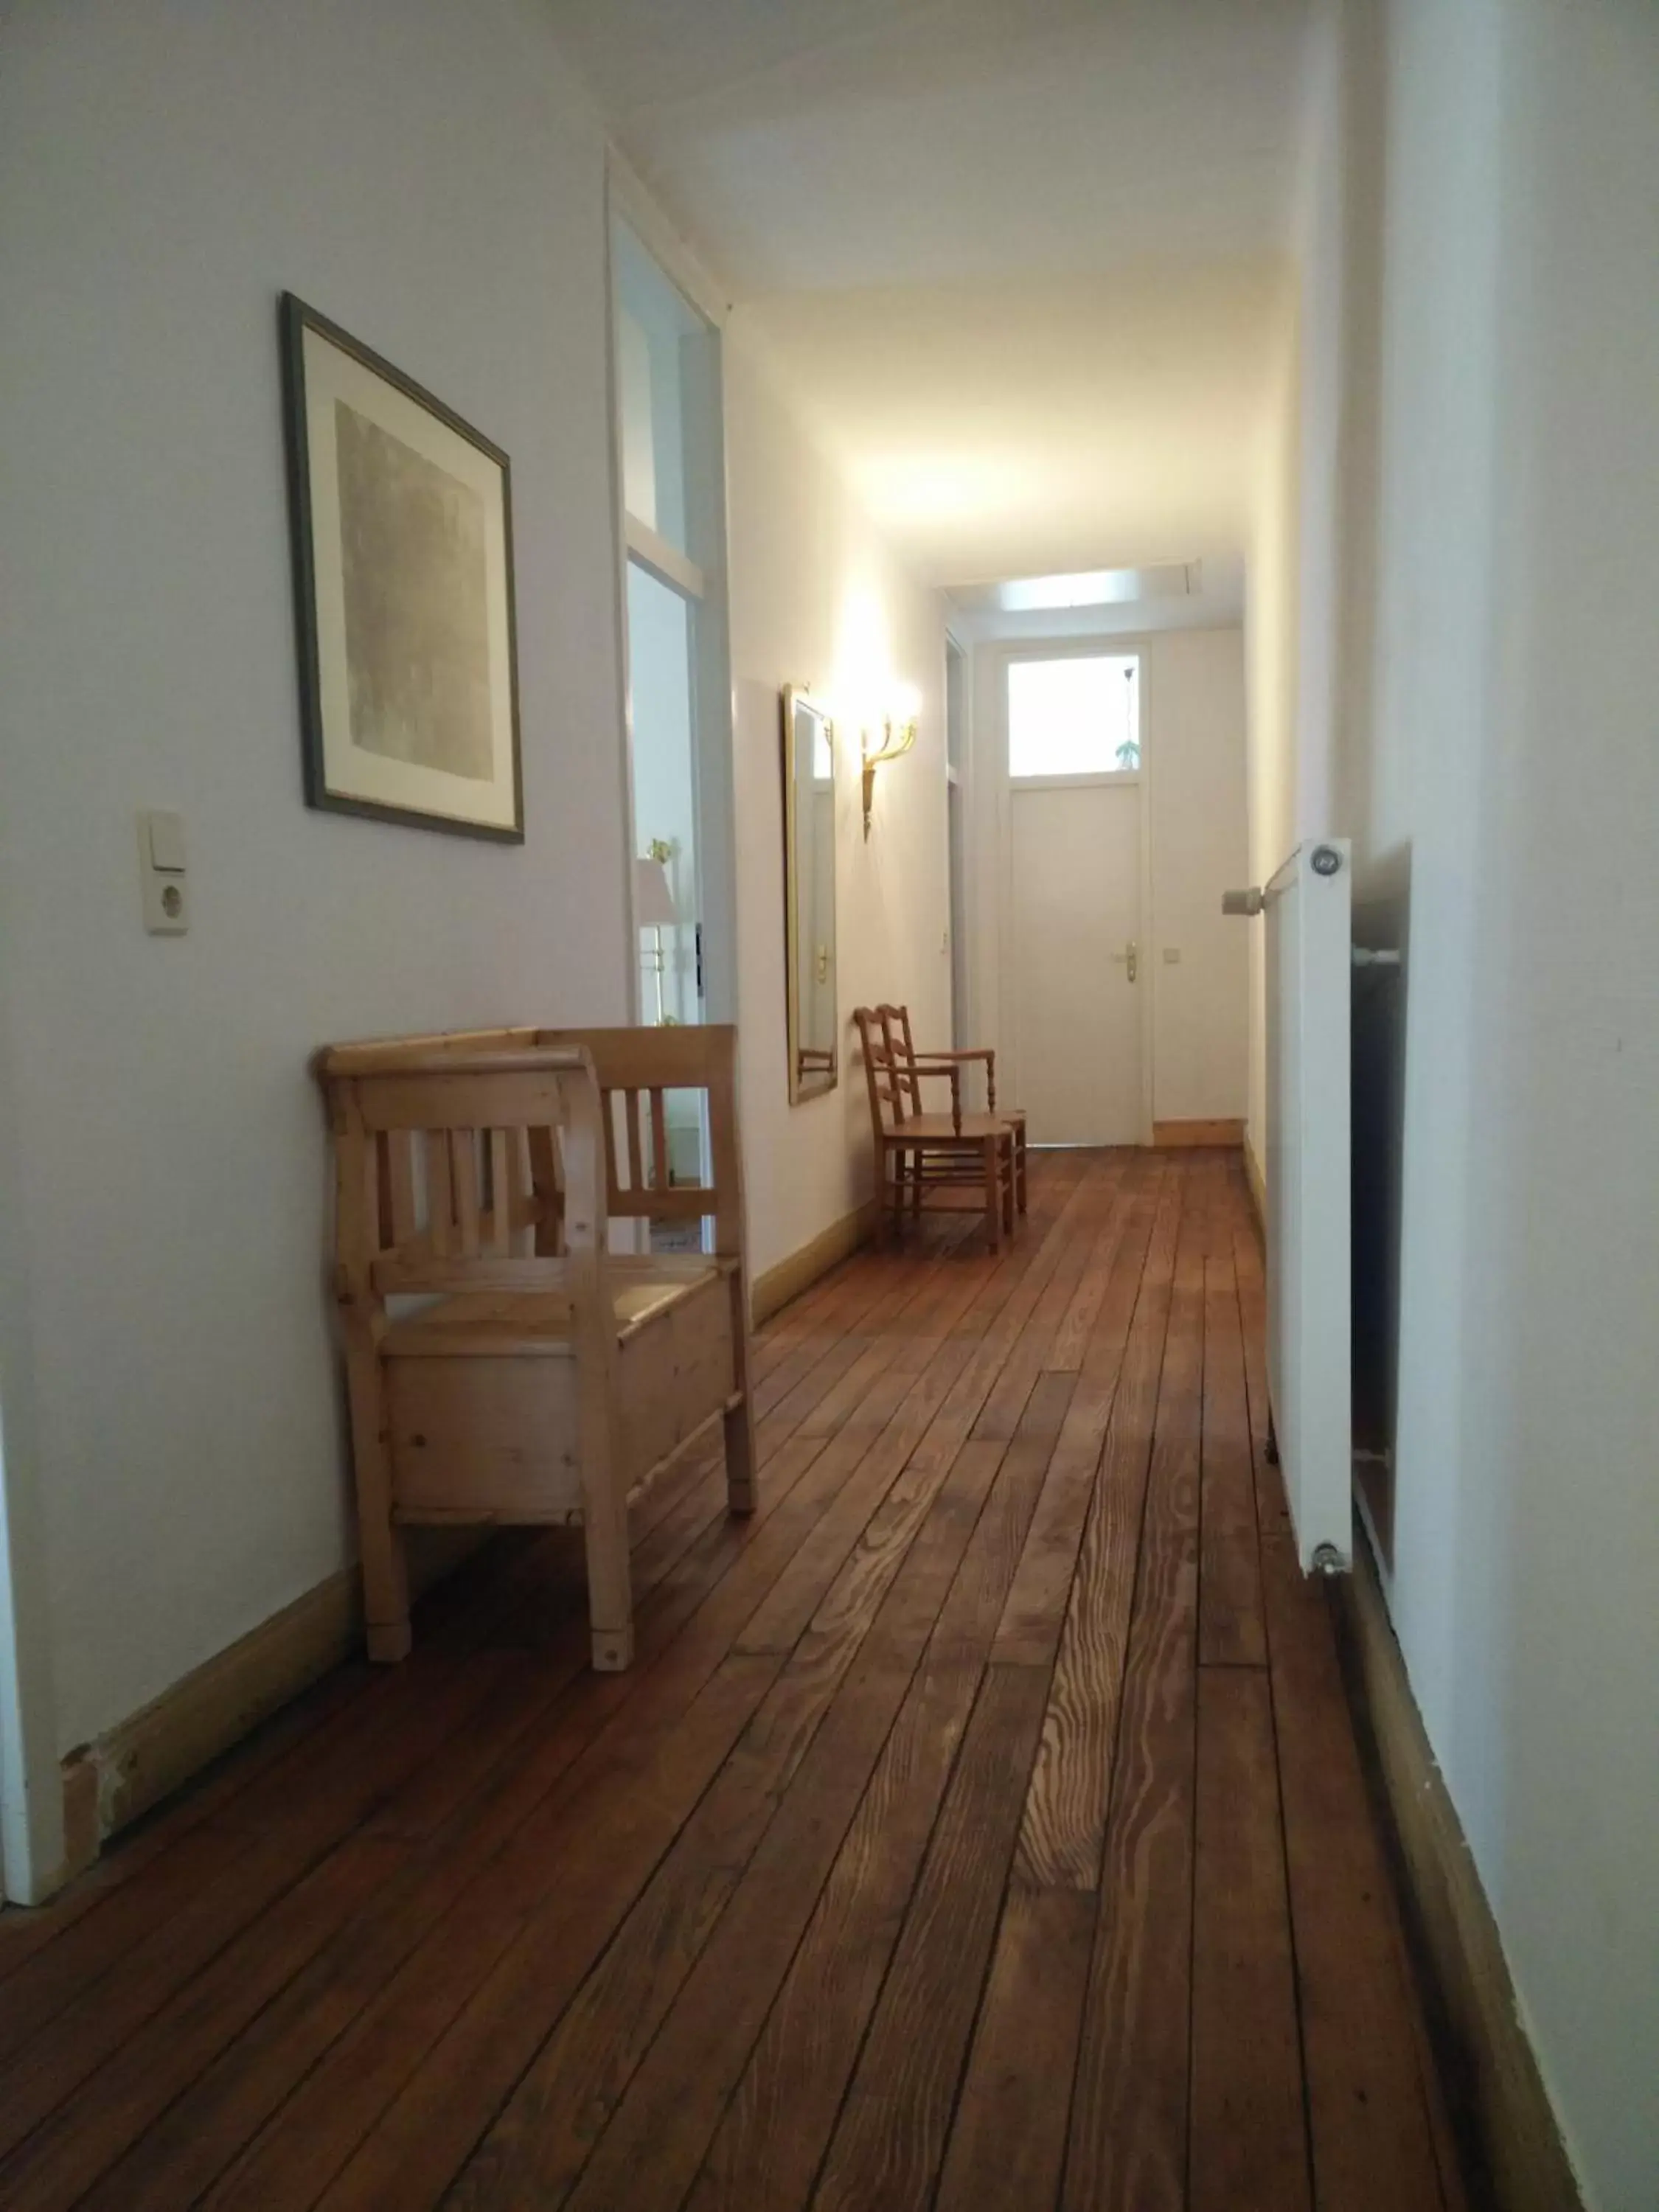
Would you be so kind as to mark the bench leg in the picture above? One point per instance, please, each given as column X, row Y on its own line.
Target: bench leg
column 740, row 1493
column 386, row 1573
column 610, row 1587
column 605, row 1521
column 740, row 1454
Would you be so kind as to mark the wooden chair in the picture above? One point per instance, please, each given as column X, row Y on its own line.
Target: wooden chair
column 952, row 1159
column 542, row 1378
column 895, row 1028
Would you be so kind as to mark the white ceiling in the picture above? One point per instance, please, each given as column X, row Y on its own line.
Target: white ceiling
column 1023, row 430
column 1019, row 257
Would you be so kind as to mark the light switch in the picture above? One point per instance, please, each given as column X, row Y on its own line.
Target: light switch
column 163, row 880
column 1171, row 955
column 167, row 841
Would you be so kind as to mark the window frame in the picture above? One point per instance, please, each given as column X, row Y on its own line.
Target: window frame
column 1072, row 779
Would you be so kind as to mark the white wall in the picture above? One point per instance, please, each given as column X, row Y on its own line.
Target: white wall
column 430, row 178
column 1492, row 751
column 818, row 599
column 1193, row 711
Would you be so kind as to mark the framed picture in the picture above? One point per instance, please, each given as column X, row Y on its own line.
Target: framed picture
column 402, row 520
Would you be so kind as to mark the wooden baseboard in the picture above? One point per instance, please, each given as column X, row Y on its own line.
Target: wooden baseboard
column 109, row 1782
column 1168, row 1135
column 792, row 1276
column 1500, row 2107
column 146, row 1757
column 1257, row 1181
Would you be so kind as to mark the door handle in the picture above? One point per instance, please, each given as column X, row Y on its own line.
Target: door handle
column 1129, row 959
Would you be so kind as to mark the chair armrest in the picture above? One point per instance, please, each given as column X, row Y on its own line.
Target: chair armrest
column 952, row 1075
column 987, row 1053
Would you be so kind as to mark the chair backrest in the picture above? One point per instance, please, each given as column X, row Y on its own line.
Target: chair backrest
column 890, row 1091
column 900, row 1047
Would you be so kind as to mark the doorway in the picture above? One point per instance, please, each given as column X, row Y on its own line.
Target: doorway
column 670, row 472
column 1074, row 983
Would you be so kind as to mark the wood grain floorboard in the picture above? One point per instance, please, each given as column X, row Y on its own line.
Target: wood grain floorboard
column 433, row 2123
column 1064, row 1813
column 1029, row 1634
column 1249, row 2148
column 1378, row 2145
column 337, row 2099
column 917, row 1863
column 769, row 2143
column 1230, row 1630
column 889, row 2139
column 850, row 1670
column 1008, row 2145
column 1127, row 2148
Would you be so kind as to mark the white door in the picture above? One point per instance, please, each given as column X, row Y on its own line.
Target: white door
column 1076, row 972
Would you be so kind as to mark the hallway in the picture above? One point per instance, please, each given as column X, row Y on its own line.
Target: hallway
column 982, row 1824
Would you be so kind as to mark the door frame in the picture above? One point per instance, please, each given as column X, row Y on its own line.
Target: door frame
column 1002, row 655
column 32, row 1857
column 959, row 907
column 701, row 583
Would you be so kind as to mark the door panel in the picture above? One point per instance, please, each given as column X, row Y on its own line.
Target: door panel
column 1075, row 986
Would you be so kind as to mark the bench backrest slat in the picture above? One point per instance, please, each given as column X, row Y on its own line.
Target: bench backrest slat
column 463, row 1141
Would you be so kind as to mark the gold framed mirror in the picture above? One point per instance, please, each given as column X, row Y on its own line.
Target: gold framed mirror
column 809, row 894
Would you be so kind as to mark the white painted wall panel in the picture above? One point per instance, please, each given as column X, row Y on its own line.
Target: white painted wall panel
column 432, row 179
column 818, row 599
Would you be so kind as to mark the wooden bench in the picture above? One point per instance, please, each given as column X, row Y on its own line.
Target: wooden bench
column 503, row 1364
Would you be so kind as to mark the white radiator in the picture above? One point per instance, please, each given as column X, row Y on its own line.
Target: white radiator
column 1306, row 911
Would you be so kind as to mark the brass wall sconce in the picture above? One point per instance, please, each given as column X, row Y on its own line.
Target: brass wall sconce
column 895, row 742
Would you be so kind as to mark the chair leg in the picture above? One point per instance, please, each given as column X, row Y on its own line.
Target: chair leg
column 915, row 1189
column 991, row 1156
column 386, row 1573
column 1019, row 1167
column 1006, row 1175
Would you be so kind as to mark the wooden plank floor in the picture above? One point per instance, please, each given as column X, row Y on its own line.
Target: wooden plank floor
column 981, row 1825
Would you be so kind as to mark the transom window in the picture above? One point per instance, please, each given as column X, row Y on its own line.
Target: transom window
column 1079, row 715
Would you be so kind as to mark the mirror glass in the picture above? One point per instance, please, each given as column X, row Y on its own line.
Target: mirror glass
column 809, row 879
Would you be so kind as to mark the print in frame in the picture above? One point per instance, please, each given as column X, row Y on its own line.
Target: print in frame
column 402, row 522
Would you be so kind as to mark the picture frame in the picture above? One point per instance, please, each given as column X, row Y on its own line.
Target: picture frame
column 401, row 520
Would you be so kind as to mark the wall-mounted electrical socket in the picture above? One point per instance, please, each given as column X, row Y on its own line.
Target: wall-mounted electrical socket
column 163, row 880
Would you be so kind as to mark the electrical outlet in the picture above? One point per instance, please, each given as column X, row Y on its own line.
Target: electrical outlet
column 164, row 883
